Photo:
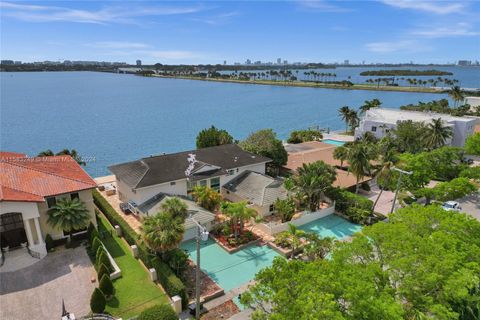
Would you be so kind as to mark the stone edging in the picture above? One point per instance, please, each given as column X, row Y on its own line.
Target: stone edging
column 233, row 250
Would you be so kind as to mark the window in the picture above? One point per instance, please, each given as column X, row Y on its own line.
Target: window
column 173, row 183
column 51, row 201
column 74, row 195
column 215, row 184
column 203, row 183
column 190, row 186
column 271, row 208
column 231, row 172
column 374, row 129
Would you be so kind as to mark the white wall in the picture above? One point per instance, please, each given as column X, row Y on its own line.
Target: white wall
column 29, row 210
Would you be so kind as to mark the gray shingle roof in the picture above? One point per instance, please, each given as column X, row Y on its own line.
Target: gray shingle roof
column 257, row 188
column 154, row 204
column 170, row 167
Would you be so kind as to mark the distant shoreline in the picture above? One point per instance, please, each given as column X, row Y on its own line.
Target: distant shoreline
column 311, row 84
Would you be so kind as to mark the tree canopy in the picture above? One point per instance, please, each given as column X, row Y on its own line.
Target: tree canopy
column 423, row 264
column 472, row 145
column 264, row 142
column 299, row 136
column 212, row 137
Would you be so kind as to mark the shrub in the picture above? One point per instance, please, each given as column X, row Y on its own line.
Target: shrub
column 94, row 234
column 471, row 173
column 100, row 250
column 177, row 259
column 97, row 301
column 358, row 215
column 102, row 270
column 170, row 282
column 345, row 199
column 115, row 219
column 106, row 286
column 104, row 260
column 159, row 312
column 49, row 242
column 283, row 240
column 90, row 229
column 96, row 244
column 365, row 186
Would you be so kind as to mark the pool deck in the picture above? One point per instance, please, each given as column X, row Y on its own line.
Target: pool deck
column 338, row 137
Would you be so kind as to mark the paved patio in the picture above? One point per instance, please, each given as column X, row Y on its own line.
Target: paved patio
column 36, row 291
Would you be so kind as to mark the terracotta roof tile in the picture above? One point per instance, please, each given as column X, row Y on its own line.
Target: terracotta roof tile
column 32, row 179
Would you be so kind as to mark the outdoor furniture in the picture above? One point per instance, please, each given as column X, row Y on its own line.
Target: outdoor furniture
column 110, row 190
column 101, row 187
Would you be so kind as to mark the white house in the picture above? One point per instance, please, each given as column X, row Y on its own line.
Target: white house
column 140, row 180
column 28, row 188
column 380, row 121
column 474, row 102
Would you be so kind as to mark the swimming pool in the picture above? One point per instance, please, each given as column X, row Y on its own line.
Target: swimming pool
column 230, row 270
column 332, row 226
column 334, row 142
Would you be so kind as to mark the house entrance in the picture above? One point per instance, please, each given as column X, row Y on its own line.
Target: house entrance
column 12, row 230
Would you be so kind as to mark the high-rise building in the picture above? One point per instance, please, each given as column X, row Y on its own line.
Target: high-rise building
column 224, row 62
column 346, row 62
column 279, row 60
column 464, row 62
column 248, row 61
column 285, row 61
column 139, row 62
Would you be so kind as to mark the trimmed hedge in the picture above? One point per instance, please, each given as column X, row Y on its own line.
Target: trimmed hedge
column 345, row 199
column 170, row 282
column 159, row 312
column 104, row 260
column 102, row 270
column 96, row 244
column 106, row 286
column 97, row 301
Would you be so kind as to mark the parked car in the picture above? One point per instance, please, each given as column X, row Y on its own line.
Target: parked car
column 451, row 206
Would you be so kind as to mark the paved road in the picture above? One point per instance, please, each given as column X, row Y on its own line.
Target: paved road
column 36, row 292
column 471, row 205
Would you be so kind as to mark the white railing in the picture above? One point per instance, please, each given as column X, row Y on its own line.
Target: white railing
column 306, row 217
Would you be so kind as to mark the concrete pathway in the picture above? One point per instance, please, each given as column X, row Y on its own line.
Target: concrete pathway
column 228, row 296
column 36, row 291
column 17, row 259
column 471, row 205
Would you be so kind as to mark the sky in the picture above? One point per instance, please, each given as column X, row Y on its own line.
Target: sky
column 388, row 31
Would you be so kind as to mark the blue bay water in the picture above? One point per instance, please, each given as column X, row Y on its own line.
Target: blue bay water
column 116, row 118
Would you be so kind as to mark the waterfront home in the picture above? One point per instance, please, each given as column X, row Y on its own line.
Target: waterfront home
column 474, row 102
column 380, row 121
column 28, row 188
column 137, row 181
column 258, row 190
column 313, row 151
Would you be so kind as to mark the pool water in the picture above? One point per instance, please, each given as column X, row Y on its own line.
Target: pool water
column 334, row 142
column 332, row 226
column 230, row 270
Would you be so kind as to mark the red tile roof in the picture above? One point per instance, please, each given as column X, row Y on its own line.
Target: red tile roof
column 33, row 179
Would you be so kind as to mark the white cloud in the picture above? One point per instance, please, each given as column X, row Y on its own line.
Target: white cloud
column 408, row 46
column 219, row 19
column 437, row 7
column 457, row 30
column 117, row 45
column 321, row 5
column 112, row 14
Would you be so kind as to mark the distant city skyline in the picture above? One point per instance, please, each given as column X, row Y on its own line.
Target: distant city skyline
column 383, row 31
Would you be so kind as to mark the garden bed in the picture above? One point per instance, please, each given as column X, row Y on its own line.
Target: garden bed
column 209, row 289
column 222, row 241
column 223, row 311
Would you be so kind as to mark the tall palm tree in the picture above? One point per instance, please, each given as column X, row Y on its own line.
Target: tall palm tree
column 237, row 212
column 74, row 154
column 311, row 181
column 353, row 120
column 162, row 232
column 344, row 113
column 359, row 157
column 456, row 94
column 340, row 153
column 176, row 208
column 437, row 134
column 68, row 215
column 369, row 104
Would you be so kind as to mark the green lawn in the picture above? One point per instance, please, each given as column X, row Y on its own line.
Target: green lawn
column 134, row 290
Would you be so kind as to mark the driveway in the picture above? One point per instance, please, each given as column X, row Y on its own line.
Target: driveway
column 471, row 205
column 36, row 292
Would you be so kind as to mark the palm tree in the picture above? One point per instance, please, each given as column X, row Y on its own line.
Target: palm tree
column 437, row 134
column 176, row 208
column 311, row 181
column 359, row 157
column 74, row 154
column 383, row 171
column 353, row 120
column 68, row 215
column 296, row 235
column 369, row 104
column 456, row 94
column 162, row 232
column 237, row 212
column 46, row 153
column 345, row 113
column 340, row 153
column 206, row 197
